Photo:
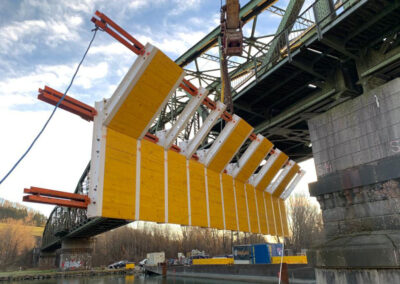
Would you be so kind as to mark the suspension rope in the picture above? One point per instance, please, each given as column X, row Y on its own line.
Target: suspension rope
column 52, row 113
column 283, row 246
column 280, row 267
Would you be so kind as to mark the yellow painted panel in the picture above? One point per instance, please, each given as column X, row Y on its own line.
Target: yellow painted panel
column 241, row 207
column 119, row 176
column 230, row 146
column 276, row 166
column 146, row 96
column 130, row 266
column 278, row 221
column 198, row 202
column 284, row 217
column 213, row 261
column 177, row 189
column 270, row 213
column 214, row 200
column 292, row 259
column 251, row 203
column 152, row 204
column 261, row 212
column 282, row 186
column 229, row 202
column 254, row 161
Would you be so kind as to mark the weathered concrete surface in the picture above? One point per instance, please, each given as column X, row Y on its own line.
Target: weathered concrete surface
column 359, row 250
column 358, row 131
column 344, row 276
column 48, row 260
column 361, row 209
column 356, row 149
column 76, row 254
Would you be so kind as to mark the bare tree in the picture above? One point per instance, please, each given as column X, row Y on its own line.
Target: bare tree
column 15, row 240
column 305, row 222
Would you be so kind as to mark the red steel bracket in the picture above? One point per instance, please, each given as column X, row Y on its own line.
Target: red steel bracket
column 118, row 33
column 189, row 87
column 56, row 197
column 253, row 137
column 52, row 97
column 150, row 137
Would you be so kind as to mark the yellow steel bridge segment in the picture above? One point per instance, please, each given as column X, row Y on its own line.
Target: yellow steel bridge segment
column 133, row 178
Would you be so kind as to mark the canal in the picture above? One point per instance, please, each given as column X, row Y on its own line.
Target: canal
column 120, row 279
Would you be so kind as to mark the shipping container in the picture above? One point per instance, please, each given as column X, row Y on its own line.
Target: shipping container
column 256, row 253
column 294, row 259
column 213, row 261
column 154, row 258
column 276, row 249
column 242, row 254
column 261, row 254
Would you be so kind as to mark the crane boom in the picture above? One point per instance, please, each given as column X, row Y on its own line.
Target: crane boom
column 231, row 43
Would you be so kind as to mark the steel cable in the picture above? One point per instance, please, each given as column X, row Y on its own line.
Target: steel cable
column 52, row 113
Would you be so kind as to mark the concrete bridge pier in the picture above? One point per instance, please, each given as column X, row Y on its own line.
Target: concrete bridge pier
column 356, row 147
column 76, row 254
column 48, row 259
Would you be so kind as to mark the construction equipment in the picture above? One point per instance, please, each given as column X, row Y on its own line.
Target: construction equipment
column 231, row 28
column 231, row 43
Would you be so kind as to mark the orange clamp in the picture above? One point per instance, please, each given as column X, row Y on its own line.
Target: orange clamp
column 70, row 104
column 55, row 197
column 118, row 33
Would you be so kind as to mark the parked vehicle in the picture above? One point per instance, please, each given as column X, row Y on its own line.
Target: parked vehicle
column 143, row 262
column 119, row 264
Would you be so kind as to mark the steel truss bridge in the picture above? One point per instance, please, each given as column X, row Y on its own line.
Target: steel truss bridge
column 320, row 56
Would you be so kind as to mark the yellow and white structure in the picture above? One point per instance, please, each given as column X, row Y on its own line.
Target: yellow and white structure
column 135, row 179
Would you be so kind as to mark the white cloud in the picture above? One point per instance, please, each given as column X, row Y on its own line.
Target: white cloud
column 10, row 34
column 137, row 4
column 183, row 6
column 88, row 74
column 80, row 5
column 23, row 37
column 177, row 43
column 22, row 90
column 110, row 50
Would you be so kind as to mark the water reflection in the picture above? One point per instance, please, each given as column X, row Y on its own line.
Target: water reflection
column 129, row 279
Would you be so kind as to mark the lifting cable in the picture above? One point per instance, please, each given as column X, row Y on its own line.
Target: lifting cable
column 283, row 247
column 52, row 113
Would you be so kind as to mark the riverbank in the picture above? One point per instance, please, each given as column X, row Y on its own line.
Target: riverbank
column 53, row 274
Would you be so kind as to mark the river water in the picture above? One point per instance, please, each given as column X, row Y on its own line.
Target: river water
column 130, row 279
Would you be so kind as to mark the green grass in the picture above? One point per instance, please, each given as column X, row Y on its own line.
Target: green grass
column 26, row 272
column 33, row 271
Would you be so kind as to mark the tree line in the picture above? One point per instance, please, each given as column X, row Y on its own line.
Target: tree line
column 14, row 211
column 132, row 242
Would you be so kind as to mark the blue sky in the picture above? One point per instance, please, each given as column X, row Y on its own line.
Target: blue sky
column 41, row 43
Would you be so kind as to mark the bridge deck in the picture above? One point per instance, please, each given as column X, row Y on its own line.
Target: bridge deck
column 281, row 101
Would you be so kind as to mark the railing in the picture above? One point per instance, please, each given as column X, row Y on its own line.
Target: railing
column 63, row 220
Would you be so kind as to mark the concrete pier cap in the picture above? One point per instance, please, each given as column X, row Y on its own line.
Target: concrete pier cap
column 76, row 254
column 356, row 148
